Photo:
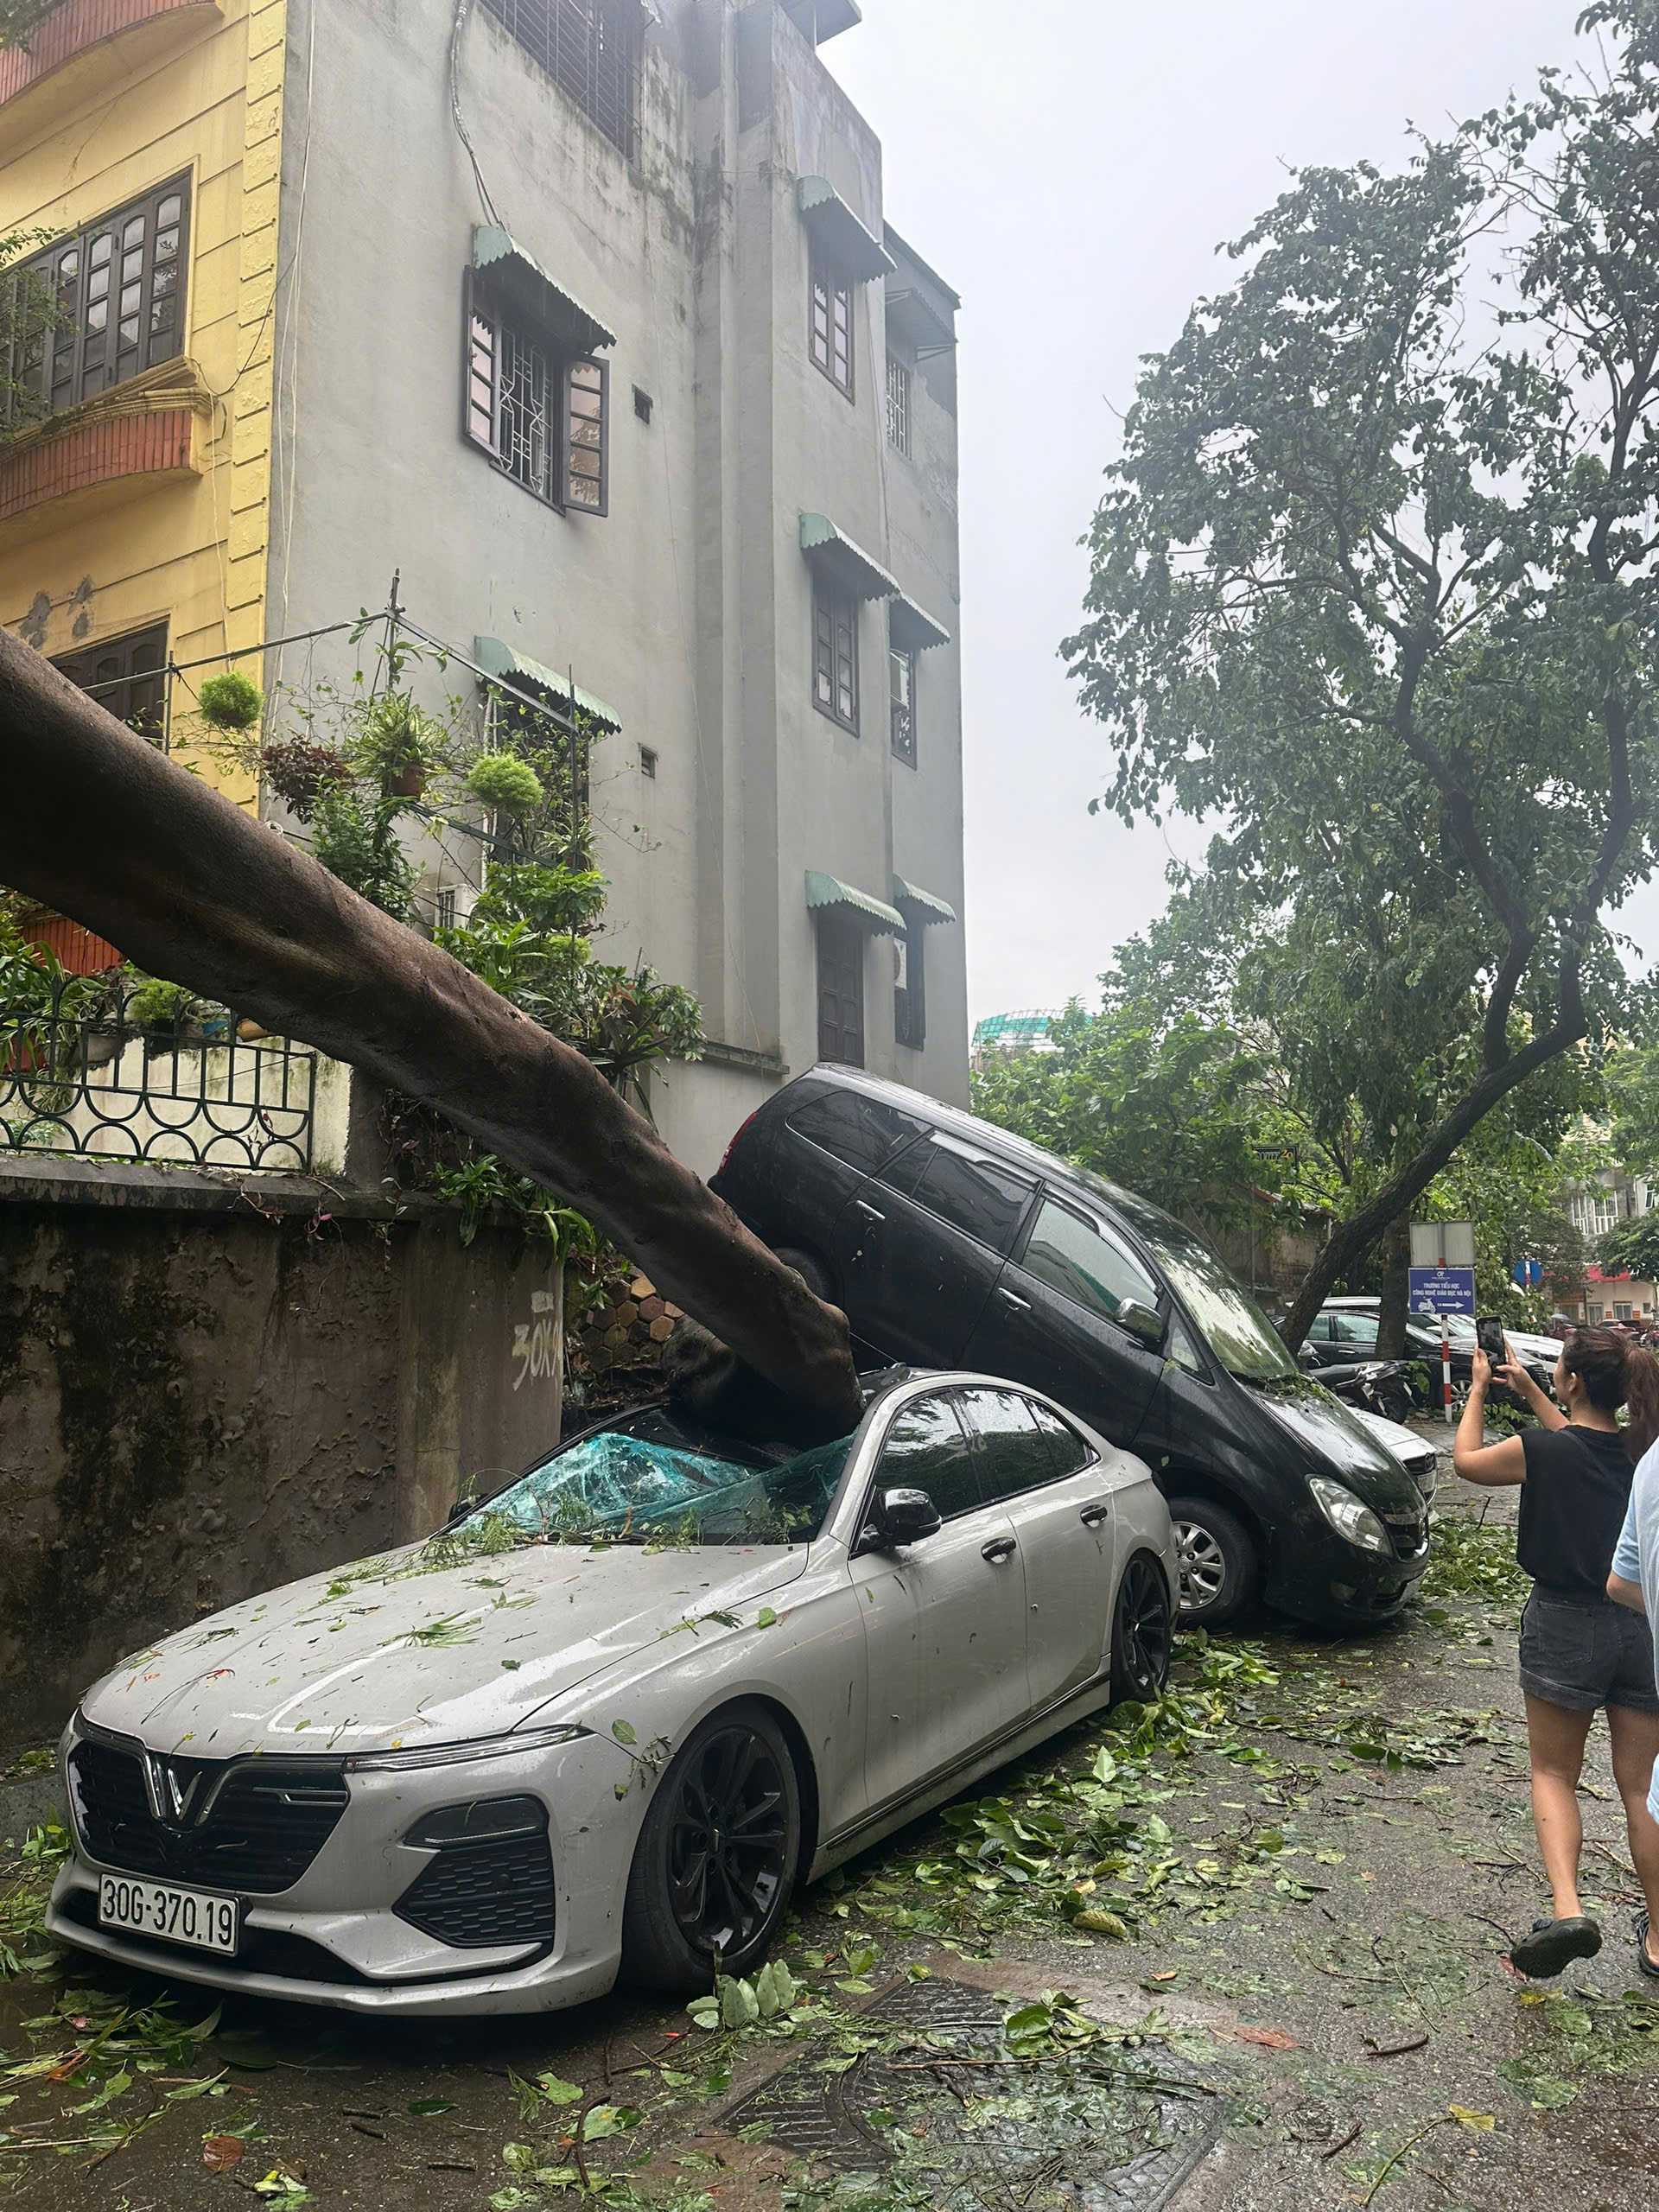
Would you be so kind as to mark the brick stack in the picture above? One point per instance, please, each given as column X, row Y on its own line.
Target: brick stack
column 629, row 1331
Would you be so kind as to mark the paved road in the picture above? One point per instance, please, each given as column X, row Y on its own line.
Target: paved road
column 1277, row 1914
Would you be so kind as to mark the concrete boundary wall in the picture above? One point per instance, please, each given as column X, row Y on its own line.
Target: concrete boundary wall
column 211, row 1383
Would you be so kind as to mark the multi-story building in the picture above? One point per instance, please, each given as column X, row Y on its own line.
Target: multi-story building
column 585, row 318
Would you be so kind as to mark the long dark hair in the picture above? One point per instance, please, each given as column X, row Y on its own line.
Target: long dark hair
column 1614, row 1373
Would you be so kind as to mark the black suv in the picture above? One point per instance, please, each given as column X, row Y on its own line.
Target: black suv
column 949, row 1243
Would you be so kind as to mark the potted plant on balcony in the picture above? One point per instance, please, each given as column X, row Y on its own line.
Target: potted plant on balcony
column 169, row 1015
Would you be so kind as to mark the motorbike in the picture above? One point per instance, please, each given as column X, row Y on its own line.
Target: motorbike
column 1377, row 1386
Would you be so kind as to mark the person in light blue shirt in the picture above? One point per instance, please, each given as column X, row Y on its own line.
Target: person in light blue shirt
column 1635, row 1582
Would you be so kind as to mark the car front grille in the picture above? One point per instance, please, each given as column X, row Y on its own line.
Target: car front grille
column 264, row 1821
column 1409, row 1532
column 475, row 1895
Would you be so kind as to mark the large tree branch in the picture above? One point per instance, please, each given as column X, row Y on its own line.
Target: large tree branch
column 98, row 824
column 1348, row 1241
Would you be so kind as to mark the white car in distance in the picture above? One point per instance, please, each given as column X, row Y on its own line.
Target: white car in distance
column 605, row 1724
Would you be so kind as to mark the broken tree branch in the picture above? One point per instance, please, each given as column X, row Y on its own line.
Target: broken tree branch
column 98, row 825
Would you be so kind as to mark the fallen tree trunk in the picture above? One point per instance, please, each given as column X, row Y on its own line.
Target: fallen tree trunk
column 99, row 825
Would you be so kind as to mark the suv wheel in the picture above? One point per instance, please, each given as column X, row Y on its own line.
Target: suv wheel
column 1217, row 1561
column 811, row 1271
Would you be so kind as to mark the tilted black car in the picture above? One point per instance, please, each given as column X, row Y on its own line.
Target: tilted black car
column 948, row 1242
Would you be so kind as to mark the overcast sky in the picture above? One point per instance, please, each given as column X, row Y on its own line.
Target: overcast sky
column 1070, row 166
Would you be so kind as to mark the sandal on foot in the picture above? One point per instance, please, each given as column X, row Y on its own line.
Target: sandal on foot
column 1643, row 1961
column 1553, row 1944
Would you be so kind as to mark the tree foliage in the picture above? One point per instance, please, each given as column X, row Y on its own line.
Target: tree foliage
column 1183, row 1111
column 1632, row 1248
column 1376, row 585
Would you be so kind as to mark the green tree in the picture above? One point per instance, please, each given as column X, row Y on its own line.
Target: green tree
column 1632, row 1248
column 1182, row 1111
column 1383, row 597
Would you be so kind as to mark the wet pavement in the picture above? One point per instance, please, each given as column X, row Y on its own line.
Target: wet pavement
column 1243, row 1953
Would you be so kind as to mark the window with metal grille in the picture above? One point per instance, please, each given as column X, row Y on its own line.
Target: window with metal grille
column 593, row 50
column 835, row 656
column 128, row 676
column 544, row 420
column 443, row 908
column 117, row 293
column 831, row 331
column 901, row 689
column 899, row 405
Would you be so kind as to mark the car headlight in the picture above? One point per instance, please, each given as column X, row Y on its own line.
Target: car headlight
column 1354, row 1522
column 481, row 1747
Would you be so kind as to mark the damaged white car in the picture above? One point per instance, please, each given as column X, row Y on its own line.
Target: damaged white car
column 605, row 1723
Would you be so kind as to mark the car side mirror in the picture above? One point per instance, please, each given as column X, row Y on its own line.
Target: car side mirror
column 902, row 1516
column 1142, row 1321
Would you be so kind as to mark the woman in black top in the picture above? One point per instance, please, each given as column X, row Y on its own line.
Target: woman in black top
column 1580, row 1652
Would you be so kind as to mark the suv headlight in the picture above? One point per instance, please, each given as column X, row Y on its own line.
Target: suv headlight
column 1354, row 1522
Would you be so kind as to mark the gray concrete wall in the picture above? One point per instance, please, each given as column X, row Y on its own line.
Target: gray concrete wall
column 210, row 1384
column 688, row 609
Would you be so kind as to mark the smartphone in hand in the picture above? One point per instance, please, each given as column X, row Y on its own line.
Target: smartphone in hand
column 1489, row 1331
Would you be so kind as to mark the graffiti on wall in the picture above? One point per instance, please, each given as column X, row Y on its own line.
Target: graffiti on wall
column 535, row 1342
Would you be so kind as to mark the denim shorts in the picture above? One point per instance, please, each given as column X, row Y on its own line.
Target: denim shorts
column 1587, row 1652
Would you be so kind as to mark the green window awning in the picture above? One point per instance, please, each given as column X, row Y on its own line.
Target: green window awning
column 822, row 19
column 846, row 564
column 827, row 893
column 912, row 628
column 928, row 909
column 913, row 316
column 837, row 232
column 528, row 287
column 497, row 659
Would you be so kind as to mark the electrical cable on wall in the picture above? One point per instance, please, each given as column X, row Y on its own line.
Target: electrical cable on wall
column 463, row 10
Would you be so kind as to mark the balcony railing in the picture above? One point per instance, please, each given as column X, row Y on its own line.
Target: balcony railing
column 80, row 1073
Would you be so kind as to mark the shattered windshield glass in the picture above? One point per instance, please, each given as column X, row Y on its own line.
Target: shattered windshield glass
column 650, row 1480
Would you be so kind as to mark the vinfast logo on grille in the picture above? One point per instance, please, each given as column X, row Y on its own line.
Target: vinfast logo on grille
column 178, row 1796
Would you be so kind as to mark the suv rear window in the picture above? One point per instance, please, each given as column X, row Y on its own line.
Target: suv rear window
column 860, row 1131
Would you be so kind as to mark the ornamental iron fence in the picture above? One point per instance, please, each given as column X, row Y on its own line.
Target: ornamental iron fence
column 80, row 1072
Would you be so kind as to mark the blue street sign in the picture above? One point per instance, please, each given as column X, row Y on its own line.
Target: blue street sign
column 1442, row 1290
column 1528, row 1274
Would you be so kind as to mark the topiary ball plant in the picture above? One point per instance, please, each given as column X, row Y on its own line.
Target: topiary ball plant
column 503, row 781
column 231, row 702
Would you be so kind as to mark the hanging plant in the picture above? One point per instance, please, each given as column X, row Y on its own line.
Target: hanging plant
column 504, row 781
column 231, row 702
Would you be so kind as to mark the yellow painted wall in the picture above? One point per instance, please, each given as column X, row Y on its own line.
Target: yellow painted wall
column 202, row 94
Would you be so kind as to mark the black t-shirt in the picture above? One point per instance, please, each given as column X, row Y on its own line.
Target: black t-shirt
column 1573, row 1506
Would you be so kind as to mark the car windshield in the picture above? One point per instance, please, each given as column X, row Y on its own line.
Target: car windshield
column 653, row 1479
column 1227, row 1317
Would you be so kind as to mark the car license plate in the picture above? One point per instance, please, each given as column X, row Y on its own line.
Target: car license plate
column 169, row 1914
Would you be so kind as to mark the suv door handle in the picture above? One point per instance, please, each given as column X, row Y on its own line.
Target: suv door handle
column 1092, row 1515
column 1020, row 1305
column 998, row 1549
column 868, row 1212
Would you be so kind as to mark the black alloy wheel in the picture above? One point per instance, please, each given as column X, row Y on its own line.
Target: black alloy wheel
column 1142, row 1630
column 717, row 1856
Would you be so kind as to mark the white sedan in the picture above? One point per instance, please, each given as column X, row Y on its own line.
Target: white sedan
column 604, row 1723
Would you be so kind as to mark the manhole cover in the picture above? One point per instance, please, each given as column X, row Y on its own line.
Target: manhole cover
column 1093, row 2131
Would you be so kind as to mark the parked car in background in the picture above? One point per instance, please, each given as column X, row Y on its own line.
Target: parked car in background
column 607, row 1721
column 948, row 1242
column 1348, row 1328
